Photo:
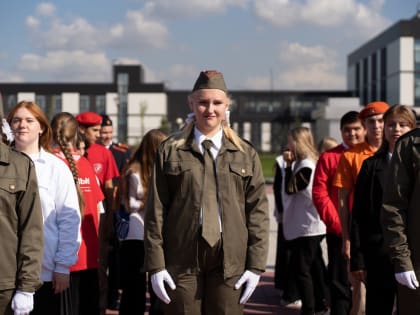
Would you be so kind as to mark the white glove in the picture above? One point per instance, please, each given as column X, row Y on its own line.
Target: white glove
column 407, row 278
column 251, row 279
column 23, row 302
column 158, row 284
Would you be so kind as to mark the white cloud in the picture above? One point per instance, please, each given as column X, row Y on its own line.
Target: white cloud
column 139, row 29
column 135, row 31
column 354, row 16
column 45, row 9
column 311, row 67
column 178, row 76
column 32, row 22
column 67, row 66
column 191, row 7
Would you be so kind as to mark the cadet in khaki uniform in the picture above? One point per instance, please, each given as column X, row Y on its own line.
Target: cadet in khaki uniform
column 21, row 232
column 206, row 276
column 401, row 220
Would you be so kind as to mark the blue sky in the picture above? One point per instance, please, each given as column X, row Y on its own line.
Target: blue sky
column 257, row 44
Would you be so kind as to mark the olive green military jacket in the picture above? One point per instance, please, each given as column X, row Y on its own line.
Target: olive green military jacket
column 174, row 202
column 21, row 225
column 401, row 204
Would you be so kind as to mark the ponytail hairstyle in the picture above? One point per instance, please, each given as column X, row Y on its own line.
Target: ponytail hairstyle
column 64, row 130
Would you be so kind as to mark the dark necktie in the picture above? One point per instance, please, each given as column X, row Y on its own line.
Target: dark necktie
column 210, row 223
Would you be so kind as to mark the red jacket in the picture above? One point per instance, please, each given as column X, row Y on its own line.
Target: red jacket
column 324, row 194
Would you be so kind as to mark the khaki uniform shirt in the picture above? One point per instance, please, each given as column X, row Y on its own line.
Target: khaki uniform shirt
column 173, row 209
column 21, row 228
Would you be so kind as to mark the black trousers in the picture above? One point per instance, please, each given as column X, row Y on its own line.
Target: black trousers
column 84, row 292
column 381, row 286
column 284, row 277
column 45, row 301
column 133, row 278
column 338, row 277
column 310, row 273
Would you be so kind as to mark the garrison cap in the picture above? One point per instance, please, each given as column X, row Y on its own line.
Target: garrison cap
column 373, row 108
column 89, row 119
column 106, row 121
column 210, row 79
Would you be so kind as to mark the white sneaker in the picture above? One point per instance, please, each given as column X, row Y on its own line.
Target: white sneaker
column 291, row 304
column 324, row 312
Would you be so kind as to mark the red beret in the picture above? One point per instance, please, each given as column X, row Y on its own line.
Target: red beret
column 373, row 108
column 89, row 119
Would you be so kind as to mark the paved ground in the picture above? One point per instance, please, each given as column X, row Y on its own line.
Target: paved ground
column 266, row 299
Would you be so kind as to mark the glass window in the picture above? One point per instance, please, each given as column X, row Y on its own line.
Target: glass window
column 9, row 102
column 417, row 90
column 57, row 101
column 417, row 55
column 84, row 105
column 41, row 100
column 122, row 82
column 100, row 104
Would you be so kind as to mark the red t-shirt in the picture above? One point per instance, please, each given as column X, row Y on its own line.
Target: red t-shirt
column 103, row 162
column 92, row 193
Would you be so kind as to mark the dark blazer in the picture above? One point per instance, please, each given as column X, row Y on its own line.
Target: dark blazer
column 366, row 231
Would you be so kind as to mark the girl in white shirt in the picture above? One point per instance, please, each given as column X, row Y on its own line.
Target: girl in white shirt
column 59, row 201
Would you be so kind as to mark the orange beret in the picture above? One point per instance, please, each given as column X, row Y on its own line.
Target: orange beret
column 89, row 119
column 373, row 108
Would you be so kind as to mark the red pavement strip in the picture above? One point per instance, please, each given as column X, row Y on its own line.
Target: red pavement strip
column 265, row 300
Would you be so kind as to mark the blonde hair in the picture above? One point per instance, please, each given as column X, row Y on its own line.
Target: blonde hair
column 326, row 143
column 229, row 132
column 304, row 142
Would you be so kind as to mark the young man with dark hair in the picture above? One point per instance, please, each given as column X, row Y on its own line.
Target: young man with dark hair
column 325, row 198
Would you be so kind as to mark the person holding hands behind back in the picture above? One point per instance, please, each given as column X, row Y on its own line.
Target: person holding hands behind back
column 206, row 218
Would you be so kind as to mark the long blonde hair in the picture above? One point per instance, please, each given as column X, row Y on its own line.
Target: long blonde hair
column 304, row 142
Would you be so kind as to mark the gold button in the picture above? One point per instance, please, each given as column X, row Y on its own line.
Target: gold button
column 12, row 187
column 243, row 171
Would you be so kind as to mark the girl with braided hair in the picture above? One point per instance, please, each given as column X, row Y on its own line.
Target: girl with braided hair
column 84, row 274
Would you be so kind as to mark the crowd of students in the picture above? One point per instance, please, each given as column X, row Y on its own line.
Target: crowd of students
column 341, row 195
column 65, row 185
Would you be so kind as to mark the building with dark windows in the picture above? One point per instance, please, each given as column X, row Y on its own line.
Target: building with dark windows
column 263, row 117
column 387, row 67
column 133, row 105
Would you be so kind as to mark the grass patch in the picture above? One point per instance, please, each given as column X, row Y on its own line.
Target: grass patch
column 267, row 161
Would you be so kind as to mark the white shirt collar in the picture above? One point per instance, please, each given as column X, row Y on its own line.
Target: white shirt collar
column 41, row 156
column 216, row 139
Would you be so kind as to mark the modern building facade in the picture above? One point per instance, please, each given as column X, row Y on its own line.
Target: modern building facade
column 134, row 106
column 263, row 117
column 387, row 67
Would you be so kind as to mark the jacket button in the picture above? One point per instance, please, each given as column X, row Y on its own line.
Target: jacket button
column 243, row 171
column 12, row 187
